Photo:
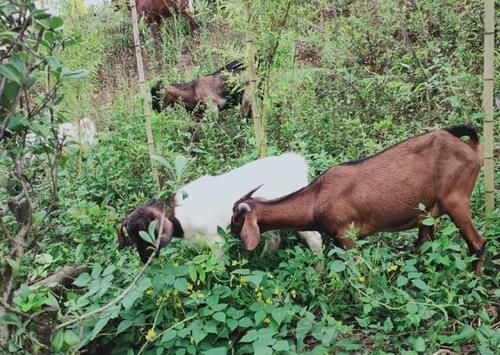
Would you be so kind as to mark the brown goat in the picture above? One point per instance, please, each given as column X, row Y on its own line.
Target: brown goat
column 380, row 193
column 210, row 90
column 155, row 10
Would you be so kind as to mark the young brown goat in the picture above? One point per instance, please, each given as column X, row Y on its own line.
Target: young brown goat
column 380, row 193
column 210, row 90
column 155, row 10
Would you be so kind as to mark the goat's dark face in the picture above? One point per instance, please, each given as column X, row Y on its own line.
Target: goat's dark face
column 139, row 220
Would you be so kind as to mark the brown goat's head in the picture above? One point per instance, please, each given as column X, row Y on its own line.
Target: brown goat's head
column 244, row 221
column 139, row 220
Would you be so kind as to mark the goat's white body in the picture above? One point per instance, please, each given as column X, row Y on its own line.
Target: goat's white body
column 209, row 200
column 82, row 132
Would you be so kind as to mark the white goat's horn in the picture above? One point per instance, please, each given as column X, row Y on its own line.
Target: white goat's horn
column 243, row 207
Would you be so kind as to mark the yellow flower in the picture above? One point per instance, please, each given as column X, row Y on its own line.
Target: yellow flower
column 234, row 262
column 269, row 301
column 176, row 320
column 277, row 291
column 151, row 334
column 243, row 280
column 175, row 293
column 201, row 295
column 267, row 321
column 393, row 268
column 293, row 293
column 148, row 291
column 178, row 305
column 190, row 287
column 361, row 279
column 176, row 263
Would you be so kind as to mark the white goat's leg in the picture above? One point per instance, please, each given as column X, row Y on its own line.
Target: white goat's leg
column 216, row 244
column 313, row 240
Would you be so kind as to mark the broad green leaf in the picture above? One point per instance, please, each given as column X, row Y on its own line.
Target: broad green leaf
column 146, row 237
column 220, row 316
column 82, row 280
column 232, row 324
column 337, row 266
column 216, row 351
column 192, row 272
column 75, row 74
column 57, row 341
column 419, row 345
column 10, row 72
column 420, row 284
column 130, row 298
column 281, row 345
column 429, row 221
column 70, row 338
column 279, row 314
column 168, row 335
column 259, row 316
column 162, row 161
column 16, row 122
column 56, row 22
column 388, row 326
column 199, row 334
column 101, row 323
column 181, row 284
column 249, row 337
column 53, row 62
column 152, row 229
column 401, row 281
column 124, row 325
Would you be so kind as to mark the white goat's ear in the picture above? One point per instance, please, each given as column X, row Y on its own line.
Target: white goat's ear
column 243, row 208
column 167, row 230
column 250, row 234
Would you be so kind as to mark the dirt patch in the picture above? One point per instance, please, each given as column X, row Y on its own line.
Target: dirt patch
column 308, row 55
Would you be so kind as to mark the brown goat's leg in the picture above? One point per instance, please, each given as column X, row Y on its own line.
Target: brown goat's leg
column 424, row 234
column 462, row 219
column 344, row 242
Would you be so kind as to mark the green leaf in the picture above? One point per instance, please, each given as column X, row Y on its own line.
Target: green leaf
column 216, row 351
column 124, row 325
column 367, row 308
column 220, row 316
column 388, row 326
column 281, row 345
column 420, row 284
column 11, row 73
column 337, row 266
column 192, row 272
column 101, row 323
column 199, row 334
column 168, row 335
column 429, row 221
column 401, row 281
column 146, row 237
column 232, row 324
column 180, row 165
column 56, row 22
column 249, row 337
column 419, row 345
column 421, row 207
column 181, row 284
column 53, row 62
column 162, row 161
column 259, row 316
column 278, row 314
column 245, row 322
column 75, row 74
column 16, row 122
column 303, row 327
column 152, row 229
column 57, row 341
column 70, row 338
column 130, row 298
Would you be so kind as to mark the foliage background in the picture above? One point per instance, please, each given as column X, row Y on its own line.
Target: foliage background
column 348, row 79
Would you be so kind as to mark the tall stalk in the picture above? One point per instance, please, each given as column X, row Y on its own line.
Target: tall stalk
column 143, row 93
column 488, row 80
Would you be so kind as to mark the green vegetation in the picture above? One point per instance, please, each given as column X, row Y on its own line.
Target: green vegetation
column 345, row 81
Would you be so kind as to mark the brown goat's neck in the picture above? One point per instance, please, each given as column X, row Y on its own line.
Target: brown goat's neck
column 291, row 212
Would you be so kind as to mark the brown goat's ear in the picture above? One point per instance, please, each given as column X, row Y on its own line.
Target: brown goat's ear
column 250, row 234
column 167, row 230
column 123, row 240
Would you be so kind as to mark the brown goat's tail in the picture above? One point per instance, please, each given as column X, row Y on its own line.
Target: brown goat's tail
column 464, row 131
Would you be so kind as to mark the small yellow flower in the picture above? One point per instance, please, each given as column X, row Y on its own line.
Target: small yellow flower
column 277, row 291
column 151, row 334
column 148, row 291
column 361, row 279
column 267, row 321
column 269, row 301
column 176, row 320
column 190, row 287
column 176, row 263
column 234, row 262
column 243, row 280
column 201, row 295
column 175, row 293
column 293, row 293
column 178, row 305
column 393, row 268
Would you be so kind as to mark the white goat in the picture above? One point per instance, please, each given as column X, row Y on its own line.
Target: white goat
column 82, row 132
column 199, row 207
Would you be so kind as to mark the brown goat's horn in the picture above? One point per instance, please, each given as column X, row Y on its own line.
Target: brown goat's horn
column 249, row 194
